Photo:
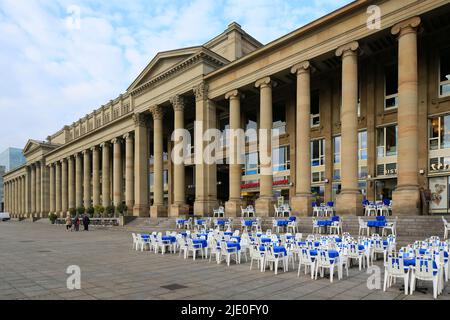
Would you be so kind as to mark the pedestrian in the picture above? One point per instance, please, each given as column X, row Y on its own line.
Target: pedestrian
column 86, row 222
column 76, row 223
column 68, row 223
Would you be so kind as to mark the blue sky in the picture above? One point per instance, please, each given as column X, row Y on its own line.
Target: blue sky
column 53, row 72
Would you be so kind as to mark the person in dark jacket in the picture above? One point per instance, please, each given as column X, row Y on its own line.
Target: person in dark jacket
column 86, row 222
column 76, row 223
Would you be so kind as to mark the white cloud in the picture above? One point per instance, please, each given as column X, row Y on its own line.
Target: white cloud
column 53, row 75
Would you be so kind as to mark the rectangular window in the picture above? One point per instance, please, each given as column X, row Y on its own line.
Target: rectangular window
column 251, row 131
column 391, row 86
column 318, row 152
column 279, row 119
column 363, row 171
column 251, row 163
column 444, row 73
column 387, row 141
column 280, row 159
column 315, row 108
column 439, row 133
column 337, row 149
column 362, row 145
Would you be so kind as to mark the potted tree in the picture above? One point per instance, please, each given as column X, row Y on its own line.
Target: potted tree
column 109, row 211
column 52, row 217
column 72, row 212
column 98, row 211
column 90, row 211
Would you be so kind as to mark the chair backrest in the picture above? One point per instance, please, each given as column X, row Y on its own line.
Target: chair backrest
column 395, row 264
column 444, row 220
column 425, row 267
column 236, row 233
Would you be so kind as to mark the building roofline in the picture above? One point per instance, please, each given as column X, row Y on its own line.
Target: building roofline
column 309, row 27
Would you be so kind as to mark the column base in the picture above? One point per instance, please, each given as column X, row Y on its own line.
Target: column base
column 406, row 200
column 264, row 207
column 178, row 210
column 233, row 208
column 140, row 211
column 158, row 211
column 301, row 205
column 349, row 203
column 204, row 208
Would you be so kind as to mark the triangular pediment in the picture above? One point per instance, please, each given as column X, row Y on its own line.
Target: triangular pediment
column 33, row 145
column 30, row 146
column 162, row 62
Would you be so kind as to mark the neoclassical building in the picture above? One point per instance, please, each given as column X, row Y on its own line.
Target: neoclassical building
column 361, row 108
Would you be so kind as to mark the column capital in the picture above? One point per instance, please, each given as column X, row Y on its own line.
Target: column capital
column 116, row 140
column 177, row 102
column 349, row 48
column 104, row 144
column 265, row 82
column 302, row 67
column 85, row 151
column 157, row 112
column 139, row 120
column 128, row 136
column 201, row 91
column 233, row 94
column 406, row 26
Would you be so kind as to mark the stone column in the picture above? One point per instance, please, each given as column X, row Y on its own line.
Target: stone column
column 71, row 181
column 106, row 179
column 264, row 205
column 58, row 188
column 301, row 202
column 179, row 206
column 95, row 176
column 33, row 189
column 158, row 209
column 117, row 171
column 78, row 180
column 16, row 197
column 141, row 162
column 28, row 190
column 52, row 189
column 64, row 188
column 129, row 171
column 205, row 173
column 406, row 197
column 19, row 195
column 236, row 150
column 87, row 179
column 349, row 201
column 23, row 193
column 45, row 191
column 38, row 188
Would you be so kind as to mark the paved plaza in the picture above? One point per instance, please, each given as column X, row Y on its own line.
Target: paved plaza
column 34, row 259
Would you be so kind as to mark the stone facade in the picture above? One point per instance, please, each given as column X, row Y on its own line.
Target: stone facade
column 325, row 85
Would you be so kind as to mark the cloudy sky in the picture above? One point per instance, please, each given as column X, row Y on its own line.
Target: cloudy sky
column 57, row 68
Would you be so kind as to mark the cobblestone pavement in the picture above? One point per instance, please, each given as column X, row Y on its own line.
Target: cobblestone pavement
column 34, row 258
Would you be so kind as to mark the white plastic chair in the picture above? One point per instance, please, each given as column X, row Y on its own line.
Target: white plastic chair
column 272, row 259
column 362, row 227
column 446, row 228
column 228, row 253
column 194, row 248
column 244, row 212
column 395, row 268
column 425, row 271
column 307, row 261
column 391, row 226
column 323, row 261
column 256, row 255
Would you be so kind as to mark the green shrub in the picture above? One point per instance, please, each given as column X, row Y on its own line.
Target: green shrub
column 72, row 212
column 98, row 211
column 122, row 209
column 109, row 211
column 81, row 210
column 52, row 217
column 90, row 211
